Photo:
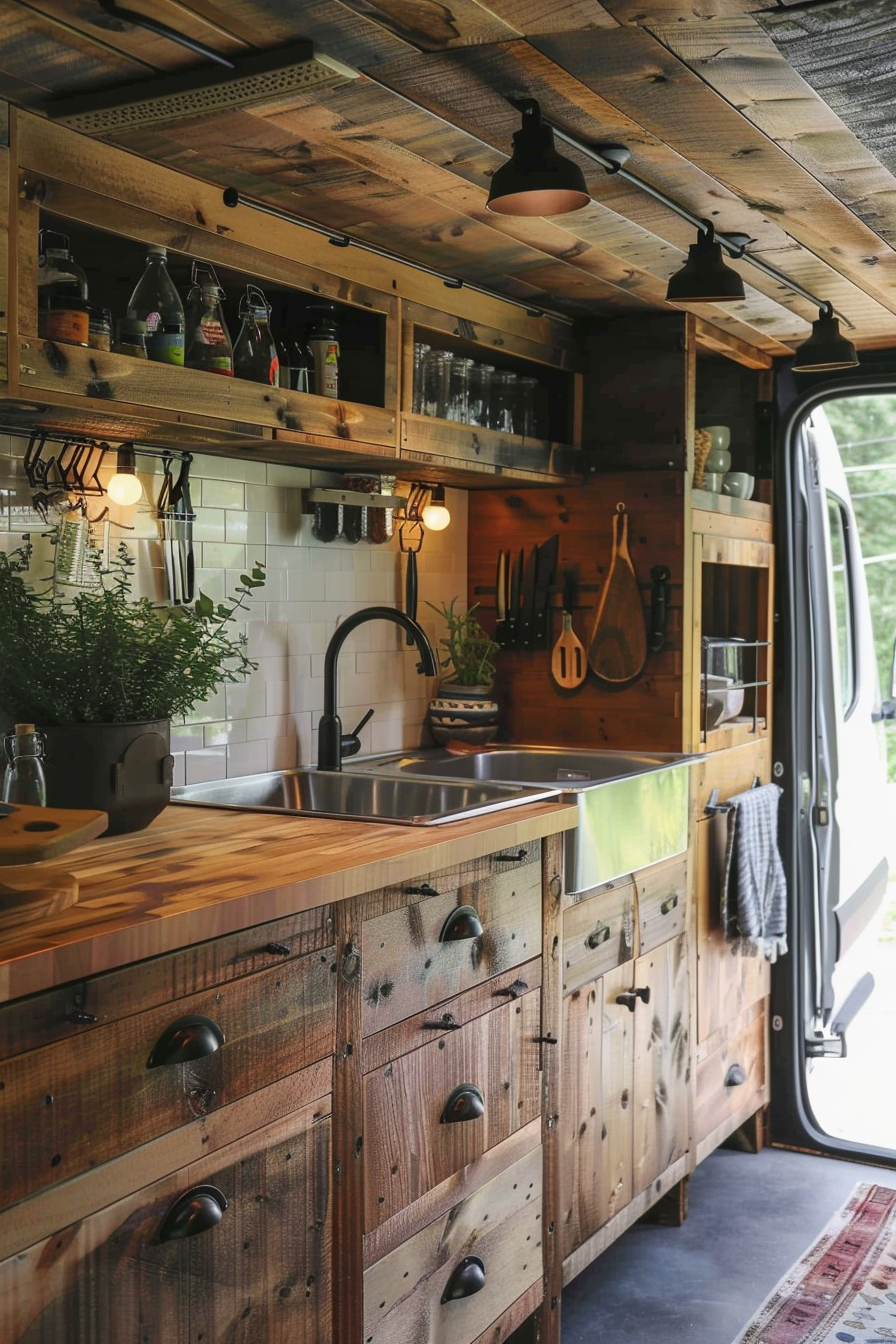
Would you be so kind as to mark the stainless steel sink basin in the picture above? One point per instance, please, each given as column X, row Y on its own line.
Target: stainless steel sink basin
column 359, row 797
column 633, row 806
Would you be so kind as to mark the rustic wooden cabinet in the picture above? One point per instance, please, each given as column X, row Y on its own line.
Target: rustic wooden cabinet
column 66, row 388
column 166, row 1145
column 626, row 1074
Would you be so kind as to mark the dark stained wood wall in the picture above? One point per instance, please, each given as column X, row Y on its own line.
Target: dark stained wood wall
column 647, row 715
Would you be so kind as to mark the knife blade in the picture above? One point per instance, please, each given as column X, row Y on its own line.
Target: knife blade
column 501, row 577
column 547, row 565
column 527, row 601
column 513, row 604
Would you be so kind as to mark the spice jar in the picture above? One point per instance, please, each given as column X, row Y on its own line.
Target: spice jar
column 322, row 340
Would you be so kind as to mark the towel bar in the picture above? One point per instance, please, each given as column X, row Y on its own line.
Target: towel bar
column 713, row 806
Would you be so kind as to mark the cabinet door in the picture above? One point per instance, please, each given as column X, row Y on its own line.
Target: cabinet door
column 596, row 1152
column 662, row 1063
column 261, row 1271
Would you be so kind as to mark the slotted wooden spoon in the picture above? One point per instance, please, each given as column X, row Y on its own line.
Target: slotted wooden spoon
column 569, row 661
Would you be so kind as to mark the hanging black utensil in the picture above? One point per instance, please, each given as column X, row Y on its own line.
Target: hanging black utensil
column 659, row 606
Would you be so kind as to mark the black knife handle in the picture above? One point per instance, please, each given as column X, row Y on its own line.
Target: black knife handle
column 659, row 602
column 410, row 593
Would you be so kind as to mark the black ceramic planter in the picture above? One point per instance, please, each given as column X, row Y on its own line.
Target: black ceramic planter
column 124, row 769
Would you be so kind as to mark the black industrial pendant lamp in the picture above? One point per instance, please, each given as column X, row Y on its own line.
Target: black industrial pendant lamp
column 704, row 278
column 536, row 180
column 826, row 348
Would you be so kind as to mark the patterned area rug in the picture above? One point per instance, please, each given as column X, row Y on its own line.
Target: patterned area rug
column 843, row 1290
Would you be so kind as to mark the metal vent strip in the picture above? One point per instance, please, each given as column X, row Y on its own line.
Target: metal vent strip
column 263, row 77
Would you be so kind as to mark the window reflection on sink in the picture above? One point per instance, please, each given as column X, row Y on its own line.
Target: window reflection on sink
column 567, row 768
column 358, row 797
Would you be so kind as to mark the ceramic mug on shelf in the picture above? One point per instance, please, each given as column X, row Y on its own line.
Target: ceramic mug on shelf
column 738, row 484
column 718, row 460
column 721, row 437
column 712, row 481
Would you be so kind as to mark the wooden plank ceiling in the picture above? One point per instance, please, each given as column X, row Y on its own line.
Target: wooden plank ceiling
column 749, row 112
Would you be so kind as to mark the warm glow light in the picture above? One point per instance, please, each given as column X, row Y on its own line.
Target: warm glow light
column 436, row 517
column 124, row 488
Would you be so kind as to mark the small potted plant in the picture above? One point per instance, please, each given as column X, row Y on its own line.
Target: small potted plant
column 464, row 710
column 102, row 674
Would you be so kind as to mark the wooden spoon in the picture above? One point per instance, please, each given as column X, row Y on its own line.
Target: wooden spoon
column 569, row 661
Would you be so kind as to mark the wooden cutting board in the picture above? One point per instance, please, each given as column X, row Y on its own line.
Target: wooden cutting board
column 27, row 894
column 31, row 834
column 617, row 650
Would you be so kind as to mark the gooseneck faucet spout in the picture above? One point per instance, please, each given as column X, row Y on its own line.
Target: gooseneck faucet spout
column 332, row 745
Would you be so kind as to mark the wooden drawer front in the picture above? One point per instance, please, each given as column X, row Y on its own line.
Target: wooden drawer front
column 662, row 902
column 727, row 982
column 731, row 1081
column 408, row 1149
column 598, row 934
column 82, row 1006
column 732, row 771
column 406, row 967
column 501, row 1224
column 70, row 1106
column 263, row 1272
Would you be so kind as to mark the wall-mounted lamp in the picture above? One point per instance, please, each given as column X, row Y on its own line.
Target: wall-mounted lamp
column 435, row 515
column 536, row 180
column 826, row 348
column 704, row 278
column 124, row 487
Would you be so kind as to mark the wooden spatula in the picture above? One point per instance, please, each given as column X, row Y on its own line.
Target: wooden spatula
column 30, row 834
column 569, row 661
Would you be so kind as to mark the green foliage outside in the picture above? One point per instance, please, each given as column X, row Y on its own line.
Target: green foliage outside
column 103, row 657
column 865, row 430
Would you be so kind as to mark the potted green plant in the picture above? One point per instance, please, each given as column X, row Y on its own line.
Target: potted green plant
column 464, row 710
column 102, row 674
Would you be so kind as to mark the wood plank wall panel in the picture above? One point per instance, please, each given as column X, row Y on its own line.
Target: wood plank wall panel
column 647, row 716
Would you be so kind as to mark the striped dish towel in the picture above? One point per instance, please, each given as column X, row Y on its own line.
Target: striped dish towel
column 754, row 891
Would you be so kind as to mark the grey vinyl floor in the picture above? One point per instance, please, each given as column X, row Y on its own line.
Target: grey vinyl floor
column 751, row 1216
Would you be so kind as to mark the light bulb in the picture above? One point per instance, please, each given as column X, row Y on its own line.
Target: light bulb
column 436, row 517
column 124, row 488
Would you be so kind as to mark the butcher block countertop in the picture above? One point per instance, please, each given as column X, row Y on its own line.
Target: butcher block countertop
column 196, row 873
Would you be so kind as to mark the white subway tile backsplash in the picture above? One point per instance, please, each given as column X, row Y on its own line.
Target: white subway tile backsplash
column 249, row 512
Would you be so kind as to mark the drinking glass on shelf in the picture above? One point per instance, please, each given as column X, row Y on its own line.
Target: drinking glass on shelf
column 458, row 389
column 503, row 401
column 436, row 372
column 480, row 392
column 527, row 388
column 421, row 350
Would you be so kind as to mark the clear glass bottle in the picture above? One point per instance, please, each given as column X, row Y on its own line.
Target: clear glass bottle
column 501, row 415
column 480, row 394
column 156, row 302
column 62, row 311
column 527, row 415
column 301, row 366
column 255, row 354
column 322, row 339
column 23, row 778
column 436, row 374
column 209, row 346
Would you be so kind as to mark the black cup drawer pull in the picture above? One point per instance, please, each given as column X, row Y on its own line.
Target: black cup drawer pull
column 465, row 1103
column 736, row 1076
column 187, row 1038
column 629, row 997
column 669, row 904
column 466, row 1279
column 599, row 934
column 198, row 1210
column 510, row 858
column 464, row 922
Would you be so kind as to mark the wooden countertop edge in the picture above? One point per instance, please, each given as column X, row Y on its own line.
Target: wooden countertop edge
column 197, row 873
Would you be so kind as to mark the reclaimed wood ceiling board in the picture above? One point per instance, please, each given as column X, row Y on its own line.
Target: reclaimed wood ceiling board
column 846, row 51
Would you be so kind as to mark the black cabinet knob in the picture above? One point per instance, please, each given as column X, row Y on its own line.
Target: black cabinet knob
column 629, row 997
column 464, row 922
column 736, row 1076
column 466, row 1279
column 465, row 1103
column 195, row 1212
column 187, row 1038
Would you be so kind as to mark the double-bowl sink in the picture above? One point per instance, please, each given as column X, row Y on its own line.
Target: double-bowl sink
column 632, row 807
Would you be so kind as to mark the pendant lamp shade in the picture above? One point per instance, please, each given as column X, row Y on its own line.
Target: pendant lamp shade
column 826, row 348
column 704, row 278
column 536, row 180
